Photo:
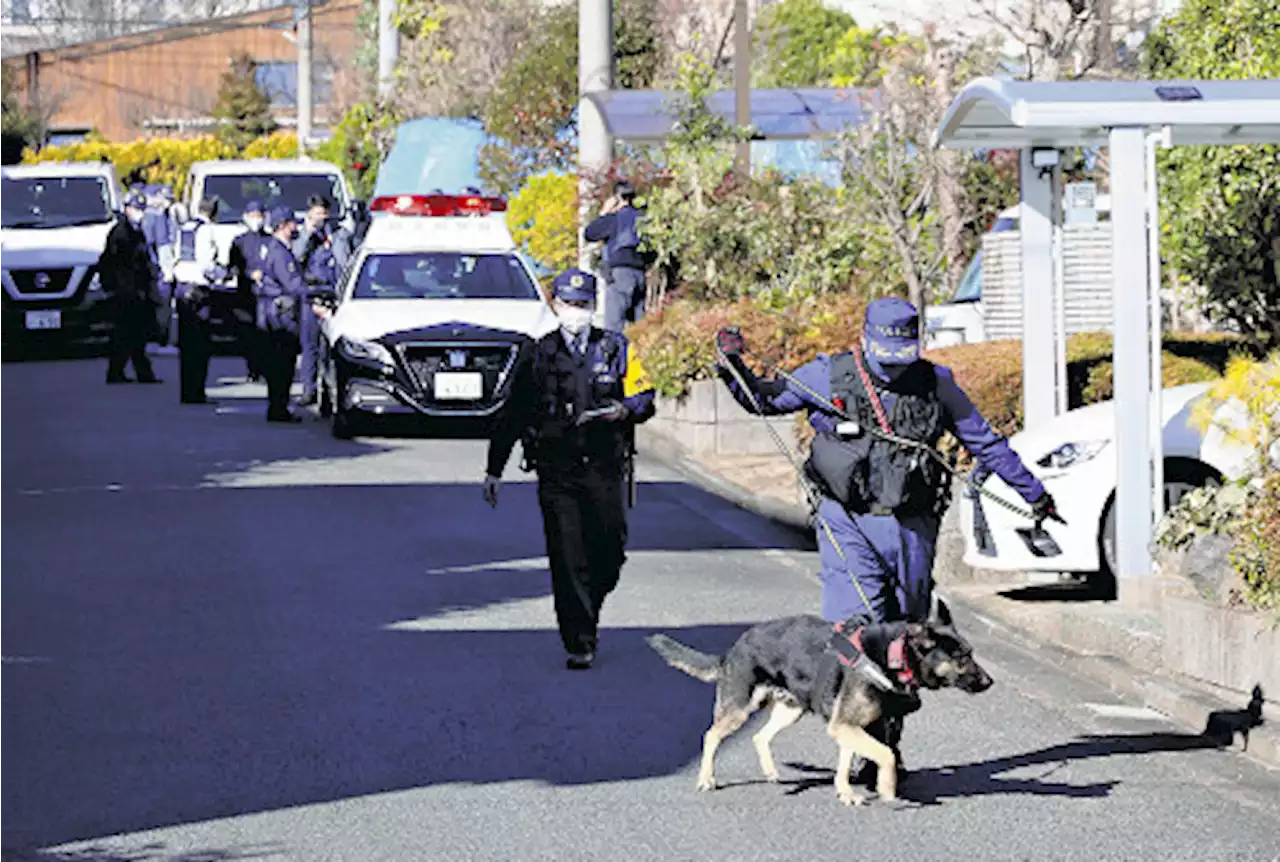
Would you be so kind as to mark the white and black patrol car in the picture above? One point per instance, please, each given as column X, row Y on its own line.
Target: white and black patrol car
column 430, row 314
column 55, row 225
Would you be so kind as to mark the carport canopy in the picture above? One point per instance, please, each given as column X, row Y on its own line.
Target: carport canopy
column 1130, row 118
column 776, row 114
column 992, row 113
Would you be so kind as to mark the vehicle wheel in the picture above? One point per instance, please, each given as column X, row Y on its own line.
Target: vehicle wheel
column 1180, row 477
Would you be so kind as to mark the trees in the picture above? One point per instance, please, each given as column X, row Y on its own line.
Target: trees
column 242, row 109
column 795, row 43
column 532, row 107
column 1221, row 205
column 23, row 124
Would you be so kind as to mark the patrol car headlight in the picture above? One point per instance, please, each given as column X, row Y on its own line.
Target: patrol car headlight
column 365, row 352
column 1071, row 454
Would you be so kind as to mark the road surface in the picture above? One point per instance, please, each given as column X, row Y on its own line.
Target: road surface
column 229, row 640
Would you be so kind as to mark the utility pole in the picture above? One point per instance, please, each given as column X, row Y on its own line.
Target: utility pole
column 388, row 48
column 303, row 16
column 595, row 74
column 742, row 82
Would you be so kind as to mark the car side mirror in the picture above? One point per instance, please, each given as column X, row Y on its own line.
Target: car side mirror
column 359, row 210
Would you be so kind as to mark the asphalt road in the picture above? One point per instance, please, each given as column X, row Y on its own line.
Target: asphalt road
column 229, row 640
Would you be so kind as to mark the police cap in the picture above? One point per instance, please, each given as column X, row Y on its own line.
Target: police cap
column 134, row 199
column 891, row 332
column 574, row 285
column 254, row 206
column 280, row 215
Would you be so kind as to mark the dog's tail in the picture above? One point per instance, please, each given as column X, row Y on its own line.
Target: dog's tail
column 698, row 665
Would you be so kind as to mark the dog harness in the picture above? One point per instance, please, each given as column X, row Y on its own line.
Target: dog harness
column 847, row 642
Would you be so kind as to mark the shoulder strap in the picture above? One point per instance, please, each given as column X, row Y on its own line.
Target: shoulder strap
column 881, row 418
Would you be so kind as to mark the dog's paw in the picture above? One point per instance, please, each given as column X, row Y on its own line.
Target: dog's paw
column 851, row 797
column 772, row 777
column 707, row 783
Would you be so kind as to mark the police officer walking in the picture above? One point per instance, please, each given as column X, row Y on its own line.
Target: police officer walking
column 321, row 255
column 244, row 259
column 129, row 278
column 197, row 270
column 882, row 501
column 281, row 292
column 618, row 228
column 576, row 396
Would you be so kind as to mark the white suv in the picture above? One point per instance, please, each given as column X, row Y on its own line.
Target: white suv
column 56, row 217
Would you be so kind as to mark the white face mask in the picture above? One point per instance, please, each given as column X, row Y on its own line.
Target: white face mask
column 574, row 320
column 254, row 223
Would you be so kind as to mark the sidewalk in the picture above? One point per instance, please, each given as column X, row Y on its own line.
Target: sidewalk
column 1112, row 644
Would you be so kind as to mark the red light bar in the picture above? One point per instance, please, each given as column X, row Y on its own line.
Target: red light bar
column 437, row 205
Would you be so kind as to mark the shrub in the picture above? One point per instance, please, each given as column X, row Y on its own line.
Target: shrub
column 1253, row 387
column 1257, row 553
column 146, row 160
column 279, row 145
column 543, row 217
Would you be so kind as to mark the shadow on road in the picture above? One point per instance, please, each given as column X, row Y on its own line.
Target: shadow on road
column 149, row 852
column 983, row 778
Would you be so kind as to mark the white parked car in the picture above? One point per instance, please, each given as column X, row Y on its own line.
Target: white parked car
column 431, row 314
column 56, row 217
column 1075, row 457
column 273, row 182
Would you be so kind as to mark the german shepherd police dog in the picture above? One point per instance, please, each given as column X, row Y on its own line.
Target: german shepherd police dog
column 802, row 664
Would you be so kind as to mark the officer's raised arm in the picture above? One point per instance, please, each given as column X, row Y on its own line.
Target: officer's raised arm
column 776, row 397
column 985, row 443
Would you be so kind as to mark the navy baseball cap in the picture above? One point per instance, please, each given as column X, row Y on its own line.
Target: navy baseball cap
column 254, row 206
column 891, row 332
column 279, row 215
column 134, row 199
column 574, row 285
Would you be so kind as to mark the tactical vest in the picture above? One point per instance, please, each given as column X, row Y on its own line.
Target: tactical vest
column 869, row 475
column 567, row 389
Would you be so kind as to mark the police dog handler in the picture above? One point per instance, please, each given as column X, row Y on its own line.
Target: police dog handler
column 577, row 394
column 882, row 501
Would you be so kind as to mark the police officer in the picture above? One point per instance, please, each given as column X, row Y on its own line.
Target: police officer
column 281, row 292
column 883, row 501
column 618, row 228
column 196, row 272
column 576, row 396
column 129, row 278
column 322, row 255
column 243, row 261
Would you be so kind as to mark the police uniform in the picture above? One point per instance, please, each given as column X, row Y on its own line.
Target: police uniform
column 129, row 278
column 322, row 256
column 243, row 261
column 281, row 293
column 196, row 275
column 883, row 502
column 561, row 383
column 624, row 263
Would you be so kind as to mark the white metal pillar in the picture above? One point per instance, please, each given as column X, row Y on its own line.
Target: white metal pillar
column 305, row 71
column 1035, row 226
column 1156, row 434
column 595, row 73
column 388, row 48
column 1132, row 360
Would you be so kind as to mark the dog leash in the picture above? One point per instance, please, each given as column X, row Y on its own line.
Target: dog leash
column 880, row 434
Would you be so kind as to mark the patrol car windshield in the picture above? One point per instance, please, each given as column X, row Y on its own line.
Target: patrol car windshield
column 51, row 202
column 443, row 275
column 291, row 190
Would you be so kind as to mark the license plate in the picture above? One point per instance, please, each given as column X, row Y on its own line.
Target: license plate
column 44, row 319
column 459, row 386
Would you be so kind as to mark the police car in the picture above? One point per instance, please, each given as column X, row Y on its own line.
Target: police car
column 430, row 314
column 56, row 217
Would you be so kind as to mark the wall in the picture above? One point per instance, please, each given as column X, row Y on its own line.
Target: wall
column 119, row 85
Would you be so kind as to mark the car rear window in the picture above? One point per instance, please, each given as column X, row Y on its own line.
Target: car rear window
column 443, row 275
column 291, row 190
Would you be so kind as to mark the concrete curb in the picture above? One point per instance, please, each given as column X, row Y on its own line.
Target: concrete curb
column 1186, row 704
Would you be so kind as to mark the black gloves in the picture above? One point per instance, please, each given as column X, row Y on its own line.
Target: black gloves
column 1045, row 509
column 730, row 343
